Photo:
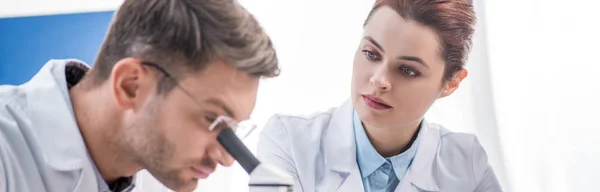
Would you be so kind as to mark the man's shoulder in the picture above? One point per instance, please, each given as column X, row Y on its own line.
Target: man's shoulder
column 3, row 181
column 10, row 141
column 12, row 104
column 8, row 94
column 10, row 98
column 23, row 157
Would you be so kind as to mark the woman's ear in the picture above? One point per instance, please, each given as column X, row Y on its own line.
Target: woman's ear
column 450, row 86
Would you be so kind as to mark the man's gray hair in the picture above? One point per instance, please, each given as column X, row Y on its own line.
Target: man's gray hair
column 185, row 35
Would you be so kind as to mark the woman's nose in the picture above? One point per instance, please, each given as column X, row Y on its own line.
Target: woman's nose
column 380, row 81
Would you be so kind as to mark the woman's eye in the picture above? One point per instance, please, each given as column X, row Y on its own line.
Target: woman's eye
column 371, row 55
column 408, row 71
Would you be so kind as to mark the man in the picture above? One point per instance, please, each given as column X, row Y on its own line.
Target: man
column 166, row 70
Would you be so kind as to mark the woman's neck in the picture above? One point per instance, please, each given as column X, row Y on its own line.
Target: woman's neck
column 389, row 141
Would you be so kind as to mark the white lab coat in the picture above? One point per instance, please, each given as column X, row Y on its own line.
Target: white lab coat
column 320, row 153
column 41, row 148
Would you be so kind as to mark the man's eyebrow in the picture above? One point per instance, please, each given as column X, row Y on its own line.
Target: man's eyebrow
column 220, row 103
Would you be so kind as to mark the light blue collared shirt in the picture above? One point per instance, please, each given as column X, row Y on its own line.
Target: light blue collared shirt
column 380, row 174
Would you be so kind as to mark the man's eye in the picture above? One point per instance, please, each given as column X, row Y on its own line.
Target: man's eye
column 210, row 119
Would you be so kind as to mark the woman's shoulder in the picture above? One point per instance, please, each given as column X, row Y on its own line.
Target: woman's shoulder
column 461, row 155
column 451, row 140
column 298, row 125
column 458, row 147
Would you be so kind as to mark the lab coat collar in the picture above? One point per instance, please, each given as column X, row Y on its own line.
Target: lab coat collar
column 340, row 150
column 57, row 131
column 339, row 141
column 421, row 172
column 340, row 153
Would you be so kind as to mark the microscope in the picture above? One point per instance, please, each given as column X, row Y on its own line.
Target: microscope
column 263, row 177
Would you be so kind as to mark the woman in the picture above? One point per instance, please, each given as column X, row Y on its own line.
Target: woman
column 411, row 54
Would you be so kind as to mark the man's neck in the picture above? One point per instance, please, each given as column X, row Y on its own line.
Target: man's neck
column 389, row 142
column 100, row 134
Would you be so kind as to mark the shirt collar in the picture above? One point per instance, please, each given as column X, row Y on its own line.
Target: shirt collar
column 370, row 160
column 402, row 161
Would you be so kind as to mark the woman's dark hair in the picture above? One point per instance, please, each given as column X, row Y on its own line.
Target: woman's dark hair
column 453, row 20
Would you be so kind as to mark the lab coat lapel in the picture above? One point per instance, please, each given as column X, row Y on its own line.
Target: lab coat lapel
column 420, row 174
column 351, row 181
column 340, row 152
column 58, row 135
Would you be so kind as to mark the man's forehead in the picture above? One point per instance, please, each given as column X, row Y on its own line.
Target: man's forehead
column 224, row 87
column 219, row 103
column 233, row 103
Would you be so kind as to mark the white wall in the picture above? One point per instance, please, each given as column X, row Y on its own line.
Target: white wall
column 544, row 58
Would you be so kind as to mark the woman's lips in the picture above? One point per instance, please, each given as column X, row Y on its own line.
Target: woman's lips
column 375, row 102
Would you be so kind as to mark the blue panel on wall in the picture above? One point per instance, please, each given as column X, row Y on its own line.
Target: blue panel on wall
column 27, row 43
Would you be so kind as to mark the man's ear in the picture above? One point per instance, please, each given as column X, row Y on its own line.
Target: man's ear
column 130, row 83
column 451, row 85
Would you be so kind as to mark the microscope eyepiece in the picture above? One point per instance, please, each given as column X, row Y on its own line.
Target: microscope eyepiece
column 232, row 143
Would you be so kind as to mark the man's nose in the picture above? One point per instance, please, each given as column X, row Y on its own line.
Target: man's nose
column 209, row 162
column 220, row 155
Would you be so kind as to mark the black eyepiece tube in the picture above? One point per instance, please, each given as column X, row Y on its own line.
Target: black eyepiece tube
column 238, row 150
